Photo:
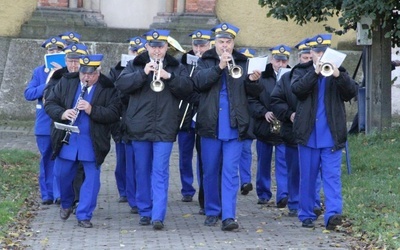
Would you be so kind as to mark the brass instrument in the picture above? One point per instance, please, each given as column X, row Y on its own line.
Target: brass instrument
column 326, row 69
column 157, row 85
column 68, row 132
column 236, row 71
column 194, row 65
column 275, row 126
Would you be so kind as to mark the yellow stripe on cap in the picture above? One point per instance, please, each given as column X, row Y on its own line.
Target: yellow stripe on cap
column 79, row 51
column 274, row 52
column 82, row 61
column 303, row 46
column 203, row 37
column 75, row 39
column 162, row 38
column 230, row 31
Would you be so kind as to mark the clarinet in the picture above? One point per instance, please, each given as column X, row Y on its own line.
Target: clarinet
column 68, row 132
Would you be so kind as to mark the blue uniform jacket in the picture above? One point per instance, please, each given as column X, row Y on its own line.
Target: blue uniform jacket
column 34, row 91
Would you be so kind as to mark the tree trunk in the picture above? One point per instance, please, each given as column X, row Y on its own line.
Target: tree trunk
column 378, row 81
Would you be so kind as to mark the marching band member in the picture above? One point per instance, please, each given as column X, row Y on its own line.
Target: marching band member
column 222, row 122
column 246, row 158
column 72, row 54
column 88, row 100
column 155, row 82
column 186, row 136
column 35, row 91
column 267, row 138
column 320, row 130
column 125, row 165
column 283, row 105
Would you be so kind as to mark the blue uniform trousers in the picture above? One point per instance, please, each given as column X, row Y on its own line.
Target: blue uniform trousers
column 120, row 168
column 212, row 152
column 246, row 160
column 292, row 162
column 47, row 180
column 66, row 170
column 130, row 175
column 263, row 177
column 330, row 162
column 186, row 140
column 152, row 177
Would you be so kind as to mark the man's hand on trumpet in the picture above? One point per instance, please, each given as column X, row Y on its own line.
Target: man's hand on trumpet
column 224, row 59
column 154, row 67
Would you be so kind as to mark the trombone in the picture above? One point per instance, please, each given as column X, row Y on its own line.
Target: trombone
column 157, row 85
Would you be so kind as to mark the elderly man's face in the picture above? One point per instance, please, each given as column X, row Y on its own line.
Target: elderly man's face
column 157, row 52
column 305, row 57
column 224, row 45
column 72, row 64
column 89, row 78
column 199, row 49
column 277, row 64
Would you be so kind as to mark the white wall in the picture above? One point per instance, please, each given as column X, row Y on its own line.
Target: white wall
column 133, row 14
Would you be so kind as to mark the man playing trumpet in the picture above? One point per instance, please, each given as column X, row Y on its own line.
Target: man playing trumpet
column 152, row 121
column 222, row 122
column 320, row 130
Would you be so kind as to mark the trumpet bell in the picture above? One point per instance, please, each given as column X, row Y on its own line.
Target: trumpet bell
column 326, row 69
column 236, row 71
column 157, row 85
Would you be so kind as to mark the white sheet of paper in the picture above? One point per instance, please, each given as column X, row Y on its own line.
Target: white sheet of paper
column 256, row 63
column 333, row 56
column 191, row 59
column 125, row 58
column 281, row 72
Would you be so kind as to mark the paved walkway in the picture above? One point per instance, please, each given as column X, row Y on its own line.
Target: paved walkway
column 261, row 226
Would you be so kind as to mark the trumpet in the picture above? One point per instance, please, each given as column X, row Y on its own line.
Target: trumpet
column 68, row 132
column 157, row 85
column 326, row 69
column 236, row 71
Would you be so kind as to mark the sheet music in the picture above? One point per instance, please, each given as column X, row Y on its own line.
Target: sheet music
column 66, row 127
column 256, row 63
column 333, row 56
column 125, row 58
column 58, row 58
column 191, row 59
column 281, row 72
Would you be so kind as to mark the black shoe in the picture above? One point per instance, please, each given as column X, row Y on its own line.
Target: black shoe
column 334, row 220
column 211, row 221
column 74, row 207
column 187, row 198
column 158, row 225
column 229, row 225
column 317, row 211
column 292, row 213
column 262, row 201
column 57, row 201
column 201, row 211
column 65, row 213
column 282, row 203
column 308, row 223
column 144, row 220
column 134, row 210
column 122, row 199
column 246, row 188
column 85, row 223
column 47, row 202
